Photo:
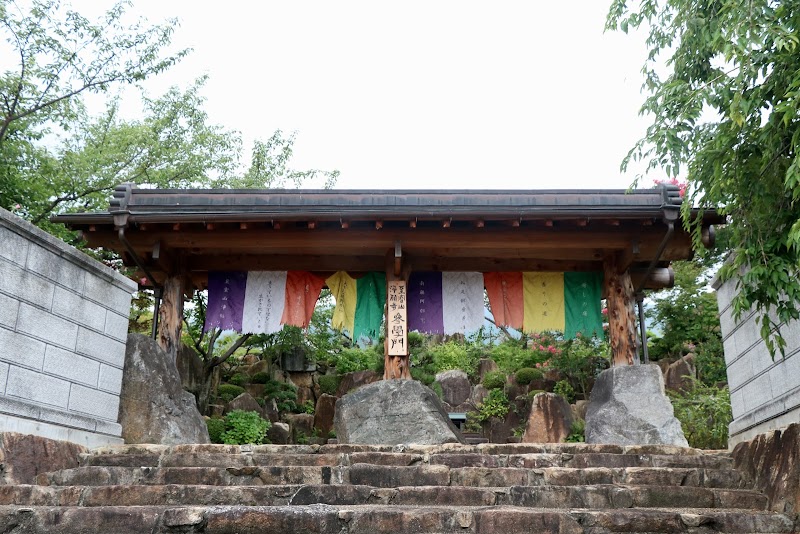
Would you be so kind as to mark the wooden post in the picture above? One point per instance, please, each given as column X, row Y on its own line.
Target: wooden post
column 170, row 316
column 395, row 346
column 621, row 321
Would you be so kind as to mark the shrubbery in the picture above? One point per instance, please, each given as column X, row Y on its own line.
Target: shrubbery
column 452, row 355
column 228, row 392
column 285, row 395
column 238, row 428
column 239, row 379
column 260, row 378
column 329, row 383
column 526, row 375
column 705, row 413
column 494, row 380
column 494, row 405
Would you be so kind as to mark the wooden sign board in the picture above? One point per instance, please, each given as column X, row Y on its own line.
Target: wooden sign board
column 396, row 318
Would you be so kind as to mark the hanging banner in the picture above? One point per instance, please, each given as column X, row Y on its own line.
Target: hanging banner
column 359, row 303
column 462, row 302
column 396, row 318
column 425, row 302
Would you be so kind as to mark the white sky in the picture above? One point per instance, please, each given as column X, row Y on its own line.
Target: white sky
column 444, row 94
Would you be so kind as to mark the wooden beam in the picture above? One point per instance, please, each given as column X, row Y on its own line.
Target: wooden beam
column 243, row 226
column 621, row 319
column 170, row 316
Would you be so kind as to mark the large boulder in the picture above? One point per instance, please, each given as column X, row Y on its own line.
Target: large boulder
column 24, row 456
column 190, row 369
column 628, row 407
column 771, row 462
column 355, row 380
column 154, row 408
column 455, row 386
column 678, row 376
column 550, row 419
column 393, row 412
column 323, row 414
column 245, row 402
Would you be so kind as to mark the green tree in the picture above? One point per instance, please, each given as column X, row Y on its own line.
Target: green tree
column 726, row 114
column 59, row 56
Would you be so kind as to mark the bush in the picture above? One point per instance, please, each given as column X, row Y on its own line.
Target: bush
column 242, row 428
column 228, row 392
column 260, row 378
column 510, row 356
column 705, row 413
column 421, row 375
column 309, row 407
column 216, row 426
column 581, row 360
column 451, row 355
column 494, row 405
column 494, row 380
column 565, row 389
column 285, row 395
column 437, row 388
column 329, row 383
column 577, row 432
column 239, row 379
column 526, row 375
column 354, row 359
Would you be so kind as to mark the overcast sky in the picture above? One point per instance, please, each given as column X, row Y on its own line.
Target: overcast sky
column 442, row 94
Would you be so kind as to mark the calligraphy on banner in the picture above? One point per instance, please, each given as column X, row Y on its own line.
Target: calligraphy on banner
column 397, row 318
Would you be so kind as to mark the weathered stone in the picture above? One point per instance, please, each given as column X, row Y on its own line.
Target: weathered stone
column 678, row 375
column 261, row 366
column 323, row 414
column 628, row 407
column 354, row 380
column 244, row 402
column 255, row 390
column 550, row 419
column 479, row 393
column 154, row 408
column 579, row 409
column 250, row 359
column 23, row 456
column 190, row 369
column 392, row 476
column 772, row 462
column 393, row 412
column 304, row 395
column 486, row 365
column 499, row 430
column 302, row 380
column 302, row 425
column 279, row 433
column 296, row 361
column 455, row 386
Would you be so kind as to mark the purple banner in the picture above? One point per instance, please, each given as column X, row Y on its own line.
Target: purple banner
column 225, row 300
column 425, row 302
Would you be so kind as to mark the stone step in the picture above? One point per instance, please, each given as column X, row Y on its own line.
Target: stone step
column 559, row 497
column 204, row 456
column 392, row 476
column 325, row 519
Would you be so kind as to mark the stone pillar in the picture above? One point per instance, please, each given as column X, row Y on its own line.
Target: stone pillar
column 621, row 318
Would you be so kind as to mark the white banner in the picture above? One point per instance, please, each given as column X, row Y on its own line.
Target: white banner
column 264, row 300
column 462, row 302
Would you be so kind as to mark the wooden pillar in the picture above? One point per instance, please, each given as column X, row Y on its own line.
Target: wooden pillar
column 396, row 363
column 621, row 319
column 170, row 316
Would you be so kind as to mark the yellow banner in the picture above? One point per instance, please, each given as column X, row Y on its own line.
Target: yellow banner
column 543, row 300
column 343, row 288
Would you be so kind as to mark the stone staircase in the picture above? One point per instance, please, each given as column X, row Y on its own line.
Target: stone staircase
column 366, row 489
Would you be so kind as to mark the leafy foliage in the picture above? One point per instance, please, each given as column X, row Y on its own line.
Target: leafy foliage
column 228, row 392
column 284, row 393
column 261, row 377
column 242, row 428
column 727, row 114
column 453, row 355
column 511, row 355
column 565, row 389
column 494, row 380
column 526, row 375
column 239, row 379
column 329, row 383
column 356, row 359
column 705, row 413
column 494, row 405
column 580, row 360
column 216, row 427
column 577, row 432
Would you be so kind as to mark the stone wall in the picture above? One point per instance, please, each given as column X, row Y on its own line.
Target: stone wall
column 765, row 393
column 63, row 326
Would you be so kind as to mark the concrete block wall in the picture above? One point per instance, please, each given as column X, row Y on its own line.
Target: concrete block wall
column 63, row 327
column 765, row 393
